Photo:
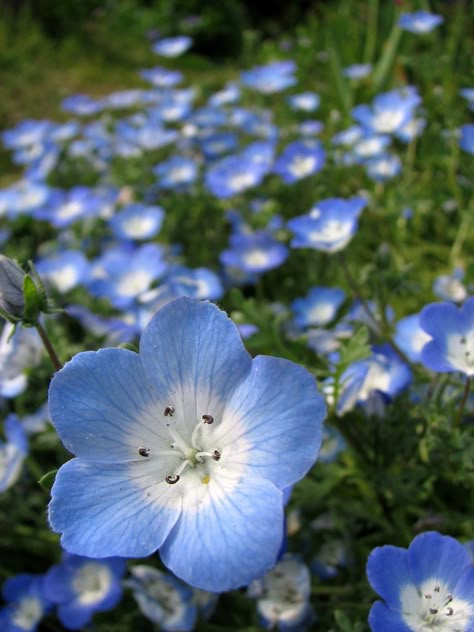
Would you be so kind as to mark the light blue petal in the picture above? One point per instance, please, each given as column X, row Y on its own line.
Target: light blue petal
column 436, row 556
column 231, row 538
column 440, row 319
column 193, row 352
column 434, row 357
column 113, row 509
column 273, row 422
column 104, row 408
column 388, row 573
column 382, row 619
column 465, row 587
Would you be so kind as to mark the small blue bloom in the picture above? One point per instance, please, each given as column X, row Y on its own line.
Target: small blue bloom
column 419, row 21
column 81, row 586
column 64, row 269
column 329, row 226
column 466, row 141
column 161, row 77
column 27, row 603
column 430, row 586
column 304, row 102
column 299, row 160
column 20, row 350
column 333, row 444
column 137, row 222
column 357, row 71
column 331, row 558
column 318, row 307
column 163, row 599
column 384, row 167
column 254, row 253
column 176, row 173
column 390, row 111
column 185, row 448
column 449, row 287
column 273, row 77
column 200, row 283
column 12, row 452
column 452, row 332
column 283, row 596
column 82, row 105
column 310, row 128
column 67, row 207
column 172, row 46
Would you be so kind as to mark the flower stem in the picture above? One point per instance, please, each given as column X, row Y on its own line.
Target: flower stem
column 355, row 290
column 463, row 402
column 48, row 346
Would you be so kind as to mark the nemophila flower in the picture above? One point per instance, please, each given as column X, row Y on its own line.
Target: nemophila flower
column 67, row 207
column 412, row 129
column 449, row 287
column 466, row 141
column 200, row 283
column 176, row 173
column 318, row 307
column 419, row 21
column 310, row 128
column 163, row 599
column 27, row 133
column 172, row 46
column 452, row 332
column 229, row 94
column 299, row 160
column 235, row 174
column 370, row 145
column 12, row 452
column 357, row 71
column 185, row 448
column 137, row 222
column 271, row 78
column 114, row 331
column 27, row 196
column 161, row 77
column 64, row 269
column 429, row 587
column 26, row 603
column 254, row 253
column 348, row 136
column 383, row 167
column 214, row 145
column 410, row 337
column 468, row 94
column 122, row 274
column 329, row 226
column 20, row 350
column 389, row 111
column 82, row 105
column 304, row 102
column 333, row 444
column 80, row 586
column 283, row 596
column 330, row 559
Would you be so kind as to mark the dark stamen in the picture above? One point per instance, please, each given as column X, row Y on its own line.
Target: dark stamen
column 171, row 480
column 216, row 455
column 169, row 410
column 144, row 451
column 208, row 419
column 427, row 596
column 437, row 588
column 450, row 612
column 433, row 611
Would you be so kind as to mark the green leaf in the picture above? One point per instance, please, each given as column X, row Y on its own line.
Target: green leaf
column 33, row 300
column 47, row 480
column 356, row 348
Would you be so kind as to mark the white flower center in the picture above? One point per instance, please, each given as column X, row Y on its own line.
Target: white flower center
column 137, row 227
column 432, row 607
column 64, row 279
column 332, row 230
column 302, row 166
column 27, row 613
column 241, row 181
column 256, row 258
column 180, row 174
column 387, row 120
column 133, row 283
column 320, row 314
column 460, row 352
column 69, row 210
column 92, row 583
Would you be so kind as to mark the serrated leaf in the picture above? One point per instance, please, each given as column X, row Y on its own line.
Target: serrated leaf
column 47, row 480
column 356, row 348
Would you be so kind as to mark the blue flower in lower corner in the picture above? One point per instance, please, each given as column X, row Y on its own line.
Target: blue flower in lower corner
column 81, row 586
column 26, row 603
column 429, row 587
column 185, row 448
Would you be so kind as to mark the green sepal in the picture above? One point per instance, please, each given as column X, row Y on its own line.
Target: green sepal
column 33, row 301
column 47, row 480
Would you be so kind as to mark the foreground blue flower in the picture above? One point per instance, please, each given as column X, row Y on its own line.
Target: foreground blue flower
column 186, row 448
column 428, row 587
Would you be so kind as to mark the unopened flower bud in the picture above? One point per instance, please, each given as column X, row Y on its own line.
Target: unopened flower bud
column 12, row 303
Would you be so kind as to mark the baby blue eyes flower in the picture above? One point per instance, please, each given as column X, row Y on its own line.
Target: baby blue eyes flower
column 466, row 141
column 184, row 448
column 419, row 22
column 452, row 332
column 299, row 160
column 81, row 586
column 26, row 603
column 12, row 452
column 173, row 46
column 427, row 588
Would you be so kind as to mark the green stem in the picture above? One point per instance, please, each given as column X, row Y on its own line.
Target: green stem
column 48, row 346
column 388, row 57
column 355, row 290
column 463, row 402
column 371, row 38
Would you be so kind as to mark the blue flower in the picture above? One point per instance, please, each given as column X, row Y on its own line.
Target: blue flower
column 64, row 269
column 27, row 603
column 299, row 160
column 357, row 71
column 172, row 46
column 390, row 111
column 271, row 78
column 20, row 350
column 186, row 448
column 161, row 77
column 163, row 599
column 305, row 102
column 318, row 307
column 137, row 222
column 410, row 337
column 176, row 172
column 81, row 586
column 12, row 452
column 283, row 595
column 466, row 141
column 449, row 287
column 254, row 253
column 419, row 21
column 428, row 587
column 238, row 173
column 329, row 226
column 452, row 330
